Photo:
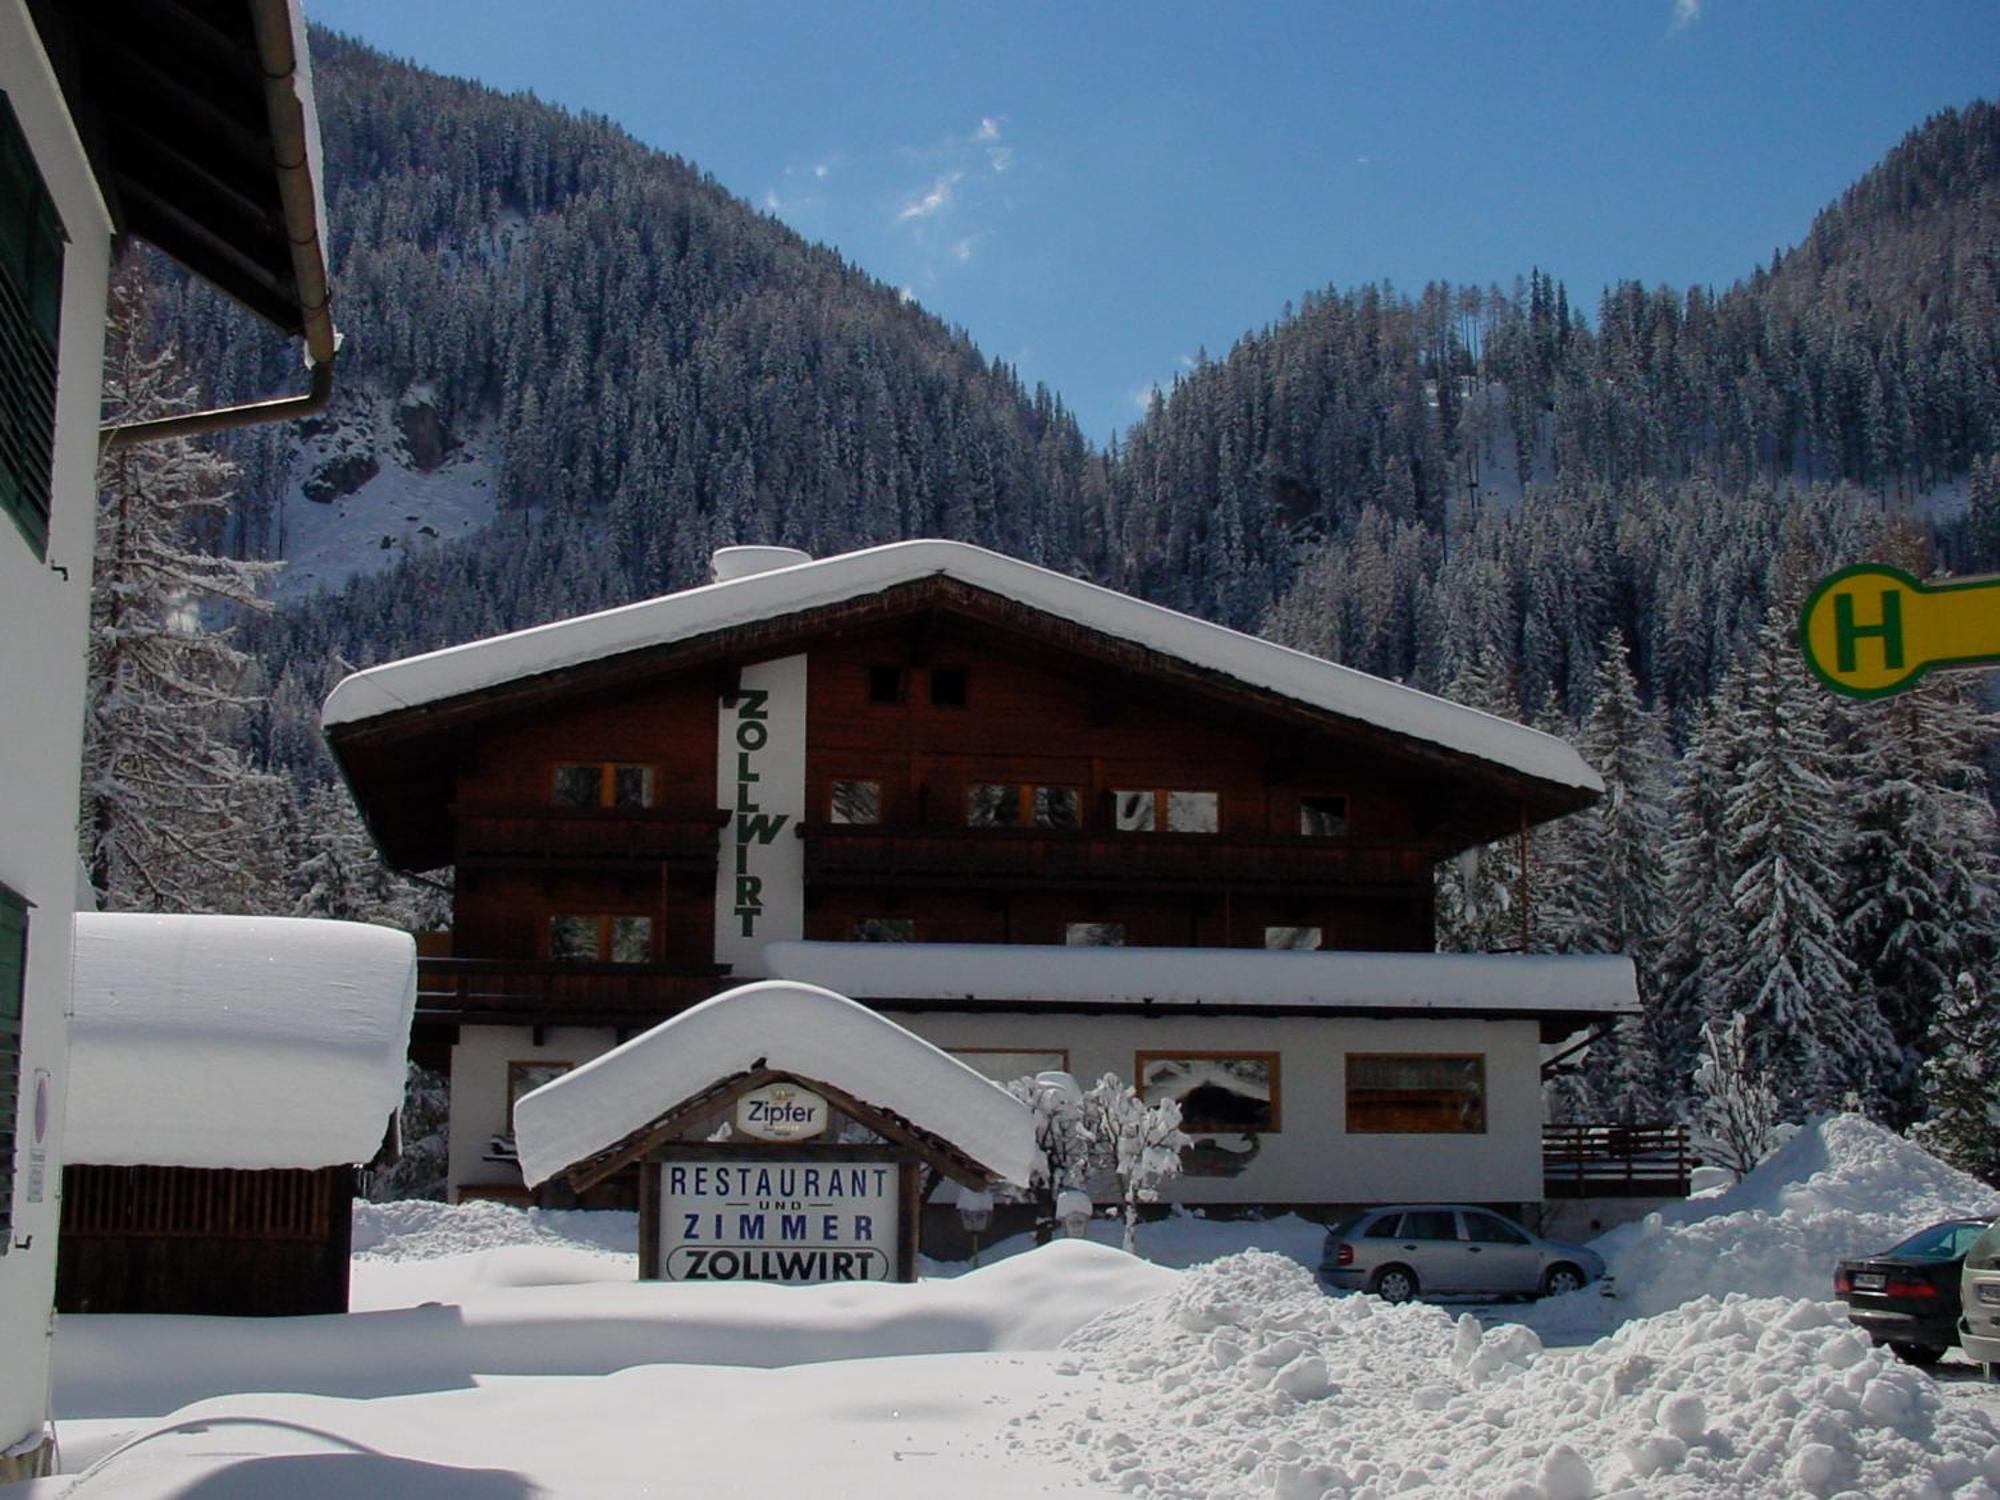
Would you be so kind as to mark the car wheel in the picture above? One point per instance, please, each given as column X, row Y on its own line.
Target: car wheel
column 1923, row 1356
column 1558, row 1281
column 1394, row 1284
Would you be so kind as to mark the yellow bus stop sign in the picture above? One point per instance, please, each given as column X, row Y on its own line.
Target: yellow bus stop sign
column 1871, row 630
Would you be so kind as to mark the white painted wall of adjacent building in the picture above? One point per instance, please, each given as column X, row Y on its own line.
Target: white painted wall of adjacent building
column 44, row 620
column 1310, row 1158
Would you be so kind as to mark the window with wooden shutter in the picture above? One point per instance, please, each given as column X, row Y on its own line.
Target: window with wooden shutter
column 31, row 256
column 13, row 989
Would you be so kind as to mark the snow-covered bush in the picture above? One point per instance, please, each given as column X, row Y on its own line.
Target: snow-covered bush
column 1138, row 1143
column 1737, row 1116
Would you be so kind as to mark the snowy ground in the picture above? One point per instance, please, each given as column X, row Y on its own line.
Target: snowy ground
column 496, row 1353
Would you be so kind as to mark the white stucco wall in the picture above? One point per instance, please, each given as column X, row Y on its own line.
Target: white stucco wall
column 44, row 617
column 1310, row 1158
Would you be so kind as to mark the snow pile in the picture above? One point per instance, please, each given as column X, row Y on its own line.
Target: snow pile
column 251, row 1042
column 420, row 1230
column 1245, row 1380
column 1843, row 1186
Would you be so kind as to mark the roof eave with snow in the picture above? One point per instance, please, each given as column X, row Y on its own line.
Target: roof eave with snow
column 1551, row 988
column 460, row 672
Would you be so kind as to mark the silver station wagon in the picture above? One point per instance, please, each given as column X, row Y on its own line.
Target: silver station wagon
column 1406, row 1250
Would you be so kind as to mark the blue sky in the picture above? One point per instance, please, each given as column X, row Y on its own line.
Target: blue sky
column 1097, row 192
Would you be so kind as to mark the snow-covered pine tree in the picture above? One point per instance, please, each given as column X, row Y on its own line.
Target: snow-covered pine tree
column 1962, row 1081
column 1138, row 1143
column 1479, row 892
column 174, row 817
column 1695, row 949
column 340, row 875
column 1611, row 897
column 1917, row 870
column 1818, row 1041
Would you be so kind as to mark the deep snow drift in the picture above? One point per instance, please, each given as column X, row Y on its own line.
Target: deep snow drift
column 511, row 1353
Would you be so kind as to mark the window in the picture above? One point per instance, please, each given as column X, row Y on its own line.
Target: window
column 600, row 937
column 948, row 687
column 1004, row 1065
column 1148, row 811
column 1294, row 937
column 602, row 784
column 1491, row 1229
column 855, row 801
column 1429, row 1224
column 13, row 990
column 1218, row 1092
column 31, row 257
column 1094, row 934
column 1323, row 817
column 1008, row 805
column 885, row 929
column 1402, row 1094
column 525, row 1078
column 885, row 684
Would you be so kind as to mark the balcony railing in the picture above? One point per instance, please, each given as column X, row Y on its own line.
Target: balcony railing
column 546, row 992
column 1615, row 1161
column 990, row 857
column 491, row 834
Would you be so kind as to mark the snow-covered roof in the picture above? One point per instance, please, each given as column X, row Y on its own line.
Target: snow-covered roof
column 1419, row 983
column 479, row 665
column 249, row 1042
column 787, row 1028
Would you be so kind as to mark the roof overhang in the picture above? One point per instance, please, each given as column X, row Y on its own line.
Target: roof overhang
column 1561, row 993
column 199, row 120
column 379, row 721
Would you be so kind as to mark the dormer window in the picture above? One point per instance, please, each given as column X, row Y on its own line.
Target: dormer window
column 1323, row 817
column 602, row 783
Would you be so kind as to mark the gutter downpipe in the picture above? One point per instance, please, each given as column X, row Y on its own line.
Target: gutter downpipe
column 291, row 153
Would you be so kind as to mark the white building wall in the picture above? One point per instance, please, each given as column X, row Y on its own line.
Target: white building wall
column 1310, row 1158
column 44, row 619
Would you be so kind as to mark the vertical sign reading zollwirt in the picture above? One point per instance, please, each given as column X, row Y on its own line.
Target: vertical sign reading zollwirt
column 761, row 784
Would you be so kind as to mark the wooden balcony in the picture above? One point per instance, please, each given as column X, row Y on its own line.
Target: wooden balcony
column 999, row 858
column 1615, row 1161
column 498, row 836
column 545, row 992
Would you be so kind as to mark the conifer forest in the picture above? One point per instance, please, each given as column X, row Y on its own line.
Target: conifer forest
column 1599, row 520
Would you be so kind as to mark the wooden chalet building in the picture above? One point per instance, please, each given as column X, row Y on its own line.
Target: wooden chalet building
column 1045, row 824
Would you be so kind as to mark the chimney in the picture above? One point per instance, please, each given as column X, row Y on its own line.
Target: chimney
column 730, row 563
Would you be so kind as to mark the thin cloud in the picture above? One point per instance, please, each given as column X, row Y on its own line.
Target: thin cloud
column 989, row 129
column 962, row 250
column 1686, row 13
column 936, row 201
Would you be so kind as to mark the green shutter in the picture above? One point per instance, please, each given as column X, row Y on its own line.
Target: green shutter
column 31, row 255
column 13, row 985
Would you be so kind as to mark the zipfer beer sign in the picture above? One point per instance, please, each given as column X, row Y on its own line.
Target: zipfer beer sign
column 793, row 1220
column 1872, row 630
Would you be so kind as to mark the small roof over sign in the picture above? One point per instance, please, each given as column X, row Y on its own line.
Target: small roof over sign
column 772, row 1026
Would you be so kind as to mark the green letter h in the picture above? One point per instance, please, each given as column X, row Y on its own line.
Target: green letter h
column 1846, row 632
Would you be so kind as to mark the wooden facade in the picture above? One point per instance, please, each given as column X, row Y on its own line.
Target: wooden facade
column 219, row 1242
column 1031, row 716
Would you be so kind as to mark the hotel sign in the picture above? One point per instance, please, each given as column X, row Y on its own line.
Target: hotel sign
column 761, row 785
column 795, row 1220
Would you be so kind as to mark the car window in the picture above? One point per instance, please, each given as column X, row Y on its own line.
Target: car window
column 1985, row 1253
column 1383, row 1228
column 1940, row 1241
column 1489, row 1230
column 1430, row 1224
